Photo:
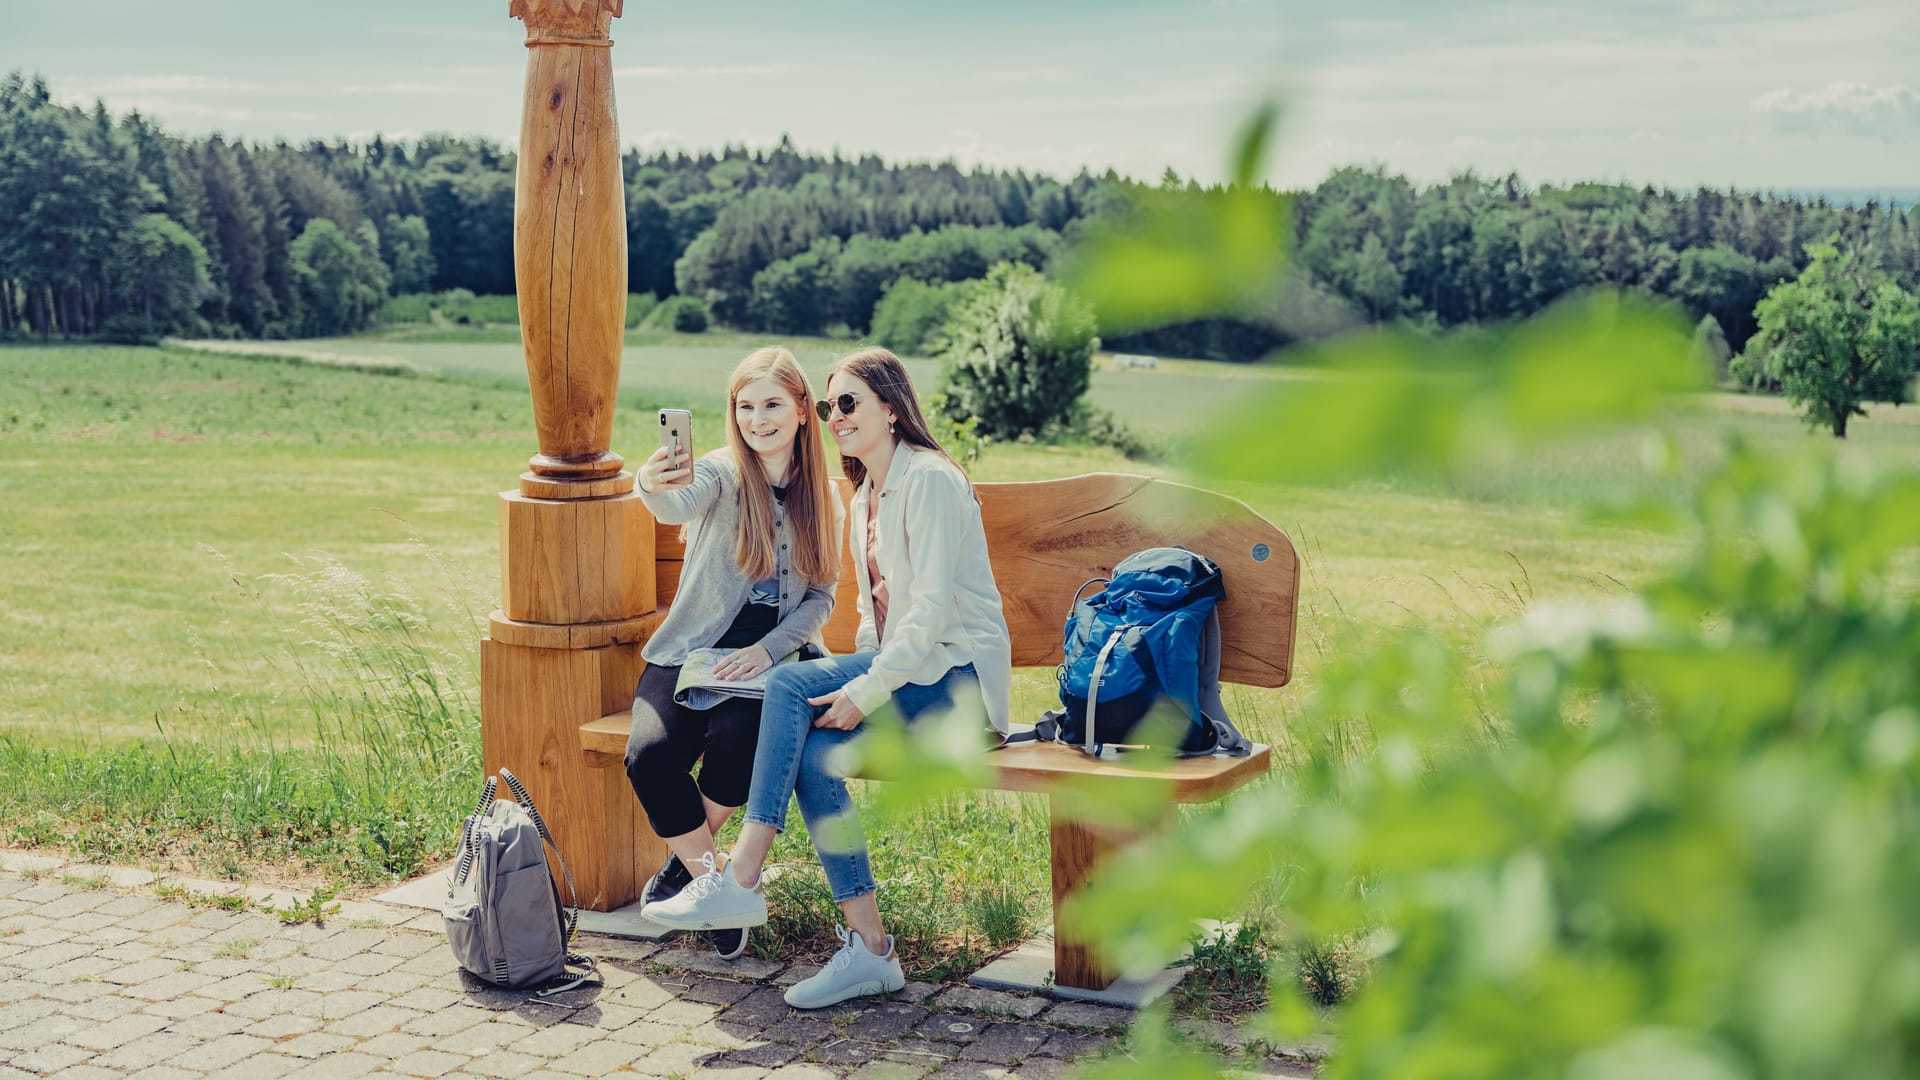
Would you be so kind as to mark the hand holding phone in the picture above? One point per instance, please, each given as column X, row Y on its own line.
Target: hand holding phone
column 671, row 466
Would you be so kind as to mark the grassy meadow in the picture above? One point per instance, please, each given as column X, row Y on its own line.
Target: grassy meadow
column 242, row 590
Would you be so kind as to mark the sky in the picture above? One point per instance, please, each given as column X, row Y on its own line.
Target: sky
column 1755, row 94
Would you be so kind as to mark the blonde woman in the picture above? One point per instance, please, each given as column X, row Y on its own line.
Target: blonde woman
column 932, row 637
column 762, row 559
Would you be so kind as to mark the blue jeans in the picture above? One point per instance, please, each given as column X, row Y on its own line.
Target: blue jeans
column 794, row 757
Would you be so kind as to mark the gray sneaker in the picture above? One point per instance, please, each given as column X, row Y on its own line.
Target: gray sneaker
column 853, row 972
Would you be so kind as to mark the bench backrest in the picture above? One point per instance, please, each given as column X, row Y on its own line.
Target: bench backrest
column 1047, row 537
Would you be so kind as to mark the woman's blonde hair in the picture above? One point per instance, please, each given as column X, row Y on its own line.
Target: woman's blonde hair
column 810, row 497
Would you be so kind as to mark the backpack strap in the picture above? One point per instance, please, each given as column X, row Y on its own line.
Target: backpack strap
column 1212, row 708
column 1092, row 748
column 469, row 840
column 520, row 795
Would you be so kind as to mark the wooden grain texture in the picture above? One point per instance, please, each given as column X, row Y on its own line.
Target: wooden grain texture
column 570, row 234
column 577, row 561
column 1048, row 537
column 574, row 635
column 532, row 703
column 1077, row 851
column 535, row 486
column 620, row 668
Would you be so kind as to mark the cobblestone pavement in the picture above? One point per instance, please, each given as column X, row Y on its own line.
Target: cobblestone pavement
column 105, row 982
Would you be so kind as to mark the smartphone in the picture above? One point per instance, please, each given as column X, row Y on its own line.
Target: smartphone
column 676, row 434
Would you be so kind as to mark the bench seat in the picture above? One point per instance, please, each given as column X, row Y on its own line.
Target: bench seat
column 1034, row 767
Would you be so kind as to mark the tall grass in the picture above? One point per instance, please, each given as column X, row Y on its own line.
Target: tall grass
column 374, row 798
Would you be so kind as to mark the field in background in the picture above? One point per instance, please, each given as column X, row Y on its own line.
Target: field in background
column 223, row 575
column 165, row 511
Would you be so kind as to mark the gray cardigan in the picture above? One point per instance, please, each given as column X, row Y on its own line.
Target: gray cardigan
column 713, row 588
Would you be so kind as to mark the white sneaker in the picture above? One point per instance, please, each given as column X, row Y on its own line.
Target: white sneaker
column 853, row 972
column 712, row 901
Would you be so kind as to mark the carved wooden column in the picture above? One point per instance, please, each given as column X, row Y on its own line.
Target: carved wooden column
column 576, row 545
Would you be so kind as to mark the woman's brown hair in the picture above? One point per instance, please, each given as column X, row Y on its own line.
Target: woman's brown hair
column 810, row 498
column 887, row 377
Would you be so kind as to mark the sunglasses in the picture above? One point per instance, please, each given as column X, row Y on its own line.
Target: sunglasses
column 825, row 406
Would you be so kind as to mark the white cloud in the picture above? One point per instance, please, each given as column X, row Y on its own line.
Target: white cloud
column 1843, row 108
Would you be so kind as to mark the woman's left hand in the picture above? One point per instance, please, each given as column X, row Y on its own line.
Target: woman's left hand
column 841, row 715
column 743, row 663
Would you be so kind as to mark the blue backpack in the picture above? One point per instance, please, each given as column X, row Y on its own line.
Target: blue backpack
column 1142, row 661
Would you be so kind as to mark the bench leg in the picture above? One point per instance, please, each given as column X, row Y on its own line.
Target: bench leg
column 1078, row 849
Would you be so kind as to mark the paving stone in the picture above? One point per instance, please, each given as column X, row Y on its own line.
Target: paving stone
column 181, row 1008
column 392, row 1046
column 643, row 1033
column 79, row 969
column 1000, row 1002
column 721, row 1035
column 219, row 1053
column 800, row 1030
column 86, row 922
column 952, row 1027
column 769, row 1055
column 843, row 1053
column 481, row 1038
column 886, row 1021
column 504, row 1064
column 267, row 1003
column 915, row 1051
column 314, row 1044
column 263, row 1066
column 77, row 993
column 102, row 1008
column 345, row 943
column 552, row 1042
column 330, row 981
column 675, row 1059
column 148, row 1052
column 1285, row 1067
column 616, row 949
column 1072, row 1045
column 338, row 1067
column 598, row 1058
column 178, row 984
column 408, row 946
column 1043, row 1068
column 226, row 967
column 116, row 1033
column 643, row 994
column 447, row 1021
column 283, row 1027
column 1005, row 1044
column 683, row 1014
column 20, row 862
column 235, row 988
column 164, row 1072
column 887, row 1070
column 718, row 991
column 915, row 993
column 1082, row 1014
column 971, row 1070
column 370, row 963
column 133, row 974
column 22, row 1012
column 427, row 999
column 800, row 1072
column 207, row 1025
column 377, row 1020
column 708, row 962
column 428, row 1063
column 158, row 916
column 52, row 1058
column 796, row 973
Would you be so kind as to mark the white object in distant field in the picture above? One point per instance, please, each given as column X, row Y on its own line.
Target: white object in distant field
column 1130, row 360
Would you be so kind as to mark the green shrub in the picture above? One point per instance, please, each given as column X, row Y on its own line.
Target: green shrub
column 639, row 306
column 1018, row 353
column 681, row 314
column 911, row 314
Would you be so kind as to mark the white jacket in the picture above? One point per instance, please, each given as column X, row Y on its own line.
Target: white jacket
column 943, row 608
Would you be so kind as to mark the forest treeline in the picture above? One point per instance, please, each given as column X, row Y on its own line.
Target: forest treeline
column 111, row 226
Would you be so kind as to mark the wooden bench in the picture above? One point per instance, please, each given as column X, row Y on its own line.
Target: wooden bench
column 1046, row 538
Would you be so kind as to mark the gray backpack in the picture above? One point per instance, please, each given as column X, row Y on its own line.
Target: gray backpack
column 503, row 912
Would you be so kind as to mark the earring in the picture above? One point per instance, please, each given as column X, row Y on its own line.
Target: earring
column 889, row 427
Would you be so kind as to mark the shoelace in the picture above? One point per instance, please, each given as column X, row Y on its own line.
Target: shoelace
column 845, row 956
column 703, row 885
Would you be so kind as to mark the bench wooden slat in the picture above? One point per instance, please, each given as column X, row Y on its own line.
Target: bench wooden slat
column 1046, row 537
column 1037, row 767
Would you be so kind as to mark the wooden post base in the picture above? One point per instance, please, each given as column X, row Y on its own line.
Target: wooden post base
column 532, row 703
column 577, row 590
column 1078, row 849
